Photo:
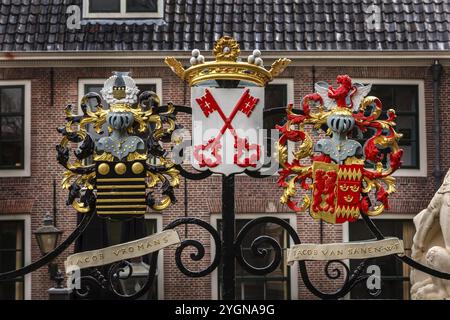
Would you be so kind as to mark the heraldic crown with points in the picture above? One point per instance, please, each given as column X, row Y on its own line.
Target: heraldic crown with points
column 227, row 65
column 227, row 98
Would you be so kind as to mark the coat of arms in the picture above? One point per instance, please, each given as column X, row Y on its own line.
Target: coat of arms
column 225, row 128
column 112, row 175
column 341, row 172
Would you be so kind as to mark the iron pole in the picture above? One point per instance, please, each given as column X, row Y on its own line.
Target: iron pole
column 228, row 232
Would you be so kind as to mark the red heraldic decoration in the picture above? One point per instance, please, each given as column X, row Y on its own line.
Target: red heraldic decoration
column 341, row 172
column 336, row 191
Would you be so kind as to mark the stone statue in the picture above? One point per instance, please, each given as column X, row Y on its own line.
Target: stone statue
column 431, row 246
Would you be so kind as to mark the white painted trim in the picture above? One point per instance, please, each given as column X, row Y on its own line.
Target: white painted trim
column 27, row 247
column 118, row 59
column 394, row 216
column 289, row 82
column 160, row 266
column 385, row 216
column 26, row 171
column 290, row 99
column 345, row 238
column 290, row 87
column 304, row 58
column 101, row 81
column 422, row 171
column 292, row 217
column 123, row 14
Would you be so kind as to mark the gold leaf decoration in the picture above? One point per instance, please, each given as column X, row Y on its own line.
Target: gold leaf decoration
column 176, row 66
column 163, row 204
column 136, row 156
column 67, row 176
column 279, row 66
column 226, row 49
column 105, row 156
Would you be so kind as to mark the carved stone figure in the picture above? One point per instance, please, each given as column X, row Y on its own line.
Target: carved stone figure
column 431, row 246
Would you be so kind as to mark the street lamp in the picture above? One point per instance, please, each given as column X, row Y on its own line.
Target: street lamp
column 47, row 236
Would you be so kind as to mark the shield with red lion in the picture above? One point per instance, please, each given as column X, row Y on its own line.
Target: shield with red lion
column 336, row 192
column 226, row 127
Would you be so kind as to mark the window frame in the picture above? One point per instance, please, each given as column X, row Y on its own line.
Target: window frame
column 100, row 81
column 293, row 272
column 123, row 13
column 26, row 170
column 289, row 82
column 160, row 264
column 385, row 216
column 27, row 247
column 421, row 114
column 82, row 82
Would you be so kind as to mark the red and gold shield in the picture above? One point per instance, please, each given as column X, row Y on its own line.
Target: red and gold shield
column 336, row 192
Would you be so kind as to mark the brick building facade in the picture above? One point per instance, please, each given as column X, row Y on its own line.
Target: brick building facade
column 54, row 78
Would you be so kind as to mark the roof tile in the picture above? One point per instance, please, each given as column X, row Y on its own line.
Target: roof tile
column 264, row 24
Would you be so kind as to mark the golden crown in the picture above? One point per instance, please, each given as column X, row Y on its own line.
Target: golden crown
column 227, row 67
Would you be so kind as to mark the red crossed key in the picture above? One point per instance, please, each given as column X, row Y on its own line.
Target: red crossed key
column 208, row 104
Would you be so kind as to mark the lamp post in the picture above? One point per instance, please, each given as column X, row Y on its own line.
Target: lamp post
column 47, row 238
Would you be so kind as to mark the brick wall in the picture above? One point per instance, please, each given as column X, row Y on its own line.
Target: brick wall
column 252, row 196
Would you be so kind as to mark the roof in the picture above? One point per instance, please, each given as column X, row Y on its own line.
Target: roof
column 325, row 25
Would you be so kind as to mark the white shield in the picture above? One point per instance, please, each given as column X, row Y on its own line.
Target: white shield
column 227, row 129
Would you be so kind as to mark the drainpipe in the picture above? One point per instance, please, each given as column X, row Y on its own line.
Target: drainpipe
column 54, row 202
column 436, row 70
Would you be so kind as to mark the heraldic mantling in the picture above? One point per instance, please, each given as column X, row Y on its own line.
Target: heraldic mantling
column 344, row 178
column 112, row 174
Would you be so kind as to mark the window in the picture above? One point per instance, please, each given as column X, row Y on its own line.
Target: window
column 406, row 97
column 14, row 128
column 278, row 94
column 274, row 286
column 123, row 231
column 123, row 8
column 14, row 254
column 395, row 282
column 95, row 85
column 146, row 85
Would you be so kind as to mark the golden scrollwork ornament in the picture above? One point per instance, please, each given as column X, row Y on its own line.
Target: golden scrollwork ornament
column 113, row 174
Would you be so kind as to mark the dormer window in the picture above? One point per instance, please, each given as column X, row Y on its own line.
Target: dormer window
column 99, row 9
